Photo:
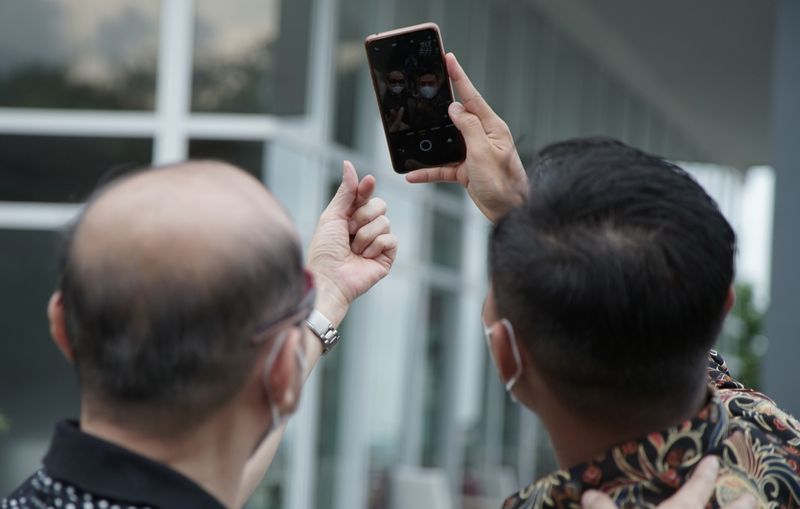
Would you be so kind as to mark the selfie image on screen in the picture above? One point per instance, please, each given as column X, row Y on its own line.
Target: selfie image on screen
column 413, row 94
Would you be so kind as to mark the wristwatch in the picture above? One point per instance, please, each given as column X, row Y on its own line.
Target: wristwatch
column 323, row 329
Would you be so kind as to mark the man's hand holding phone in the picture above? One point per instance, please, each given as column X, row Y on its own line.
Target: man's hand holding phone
column 492, row 171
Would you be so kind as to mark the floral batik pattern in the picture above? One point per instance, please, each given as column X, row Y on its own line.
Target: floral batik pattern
column 758, row 445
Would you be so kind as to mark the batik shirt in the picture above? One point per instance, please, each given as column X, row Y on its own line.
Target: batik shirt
column 757, row 443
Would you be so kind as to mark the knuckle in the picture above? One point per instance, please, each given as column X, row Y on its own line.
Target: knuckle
column 360, row 237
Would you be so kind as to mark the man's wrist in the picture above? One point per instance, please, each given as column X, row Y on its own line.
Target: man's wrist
column 323, row 329
column 330, row 301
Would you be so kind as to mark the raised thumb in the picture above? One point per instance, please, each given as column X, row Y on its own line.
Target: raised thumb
column 347, row 192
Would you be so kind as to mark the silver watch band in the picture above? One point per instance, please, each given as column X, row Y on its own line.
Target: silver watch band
column 323, row 329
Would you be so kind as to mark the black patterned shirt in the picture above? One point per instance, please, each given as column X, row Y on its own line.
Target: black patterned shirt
column 758, row 445
column 84, row 472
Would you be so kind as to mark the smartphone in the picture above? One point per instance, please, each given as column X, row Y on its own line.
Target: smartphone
column 413, row 90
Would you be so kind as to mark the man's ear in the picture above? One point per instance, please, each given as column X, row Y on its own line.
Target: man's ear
column 58, row 326
column 505, row 359
column 730, row 300
column 281, row 374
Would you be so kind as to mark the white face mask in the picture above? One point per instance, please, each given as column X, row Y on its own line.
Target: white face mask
column 428, row 91
column 277, row 419
column 512, row 338
column 396, row 89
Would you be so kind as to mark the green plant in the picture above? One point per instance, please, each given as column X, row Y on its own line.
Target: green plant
column 743, row 337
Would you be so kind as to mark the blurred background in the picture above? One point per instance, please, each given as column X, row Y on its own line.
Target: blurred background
column 407, row 411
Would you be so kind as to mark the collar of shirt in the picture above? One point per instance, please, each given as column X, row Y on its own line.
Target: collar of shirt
column 105, row 469
column 659, row 463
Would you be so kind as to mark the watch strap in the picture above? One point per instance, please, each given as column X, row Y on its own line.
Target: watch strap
column 323, row 329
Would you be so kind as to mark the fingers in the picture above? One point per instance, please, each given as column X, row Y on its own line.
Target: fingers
column 470, row 126
column 365, row 189
column 695, row 494
column 438, row 174
column 470, row 97
column 373, row 208
column 697, row 491
column 594, row 499
column 368, row 233
column 385, row 243
column 342, row 201
column 746, row 501
column 396, row 121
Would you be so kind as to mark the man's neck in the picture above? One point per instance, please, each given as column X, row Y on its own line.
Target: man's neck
column 213, row 455
column 577, row 439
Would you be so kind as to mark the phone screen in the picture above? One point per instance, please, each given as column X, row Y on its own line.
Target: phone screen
column 413, row 91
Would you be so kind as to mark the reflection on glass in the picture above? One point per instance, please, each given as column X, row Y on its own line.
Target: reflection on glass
column 39, row 386
column 62, row 168
column 251, row 56
column 92, row 54
column 247, row 155
column 446, row 240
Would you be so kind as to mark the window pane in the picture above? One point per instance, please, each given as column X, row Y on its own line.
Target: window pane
column 410, row 12
column 64, row 169
column 441, row 323
column 251, row 56
column 352, row 76
column 248, row 155
column 37, row 386
column 78, row 54
column 446, row 240
column 356, row 20
column 330, row 405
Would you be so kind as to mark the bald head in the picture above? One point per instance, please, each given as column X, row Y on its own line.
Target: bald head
column 189, row 220
column 165, row 275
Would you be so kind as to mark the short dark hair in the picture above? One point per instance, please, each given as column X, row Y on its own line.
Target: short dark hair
column 614, row 274
column 172, row 348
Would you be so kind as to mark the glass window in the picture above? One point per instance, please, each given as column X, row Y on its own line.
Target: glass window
column 38, row 386
column 248, row 155
column 251, row 56
column 410, row 12
column 352, row 74
column 271, row 492
column 443, row 307
column 455, row 26
column 329, row 410
column 446, row 240
column 496, row 89
column 64, row 168
column 98, row 54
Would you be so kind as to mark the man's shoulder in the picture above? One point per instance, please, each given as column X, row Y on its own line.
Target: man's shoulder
column 758, row 443
column 41, row 490
column 750, row 464
column 750, row 411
